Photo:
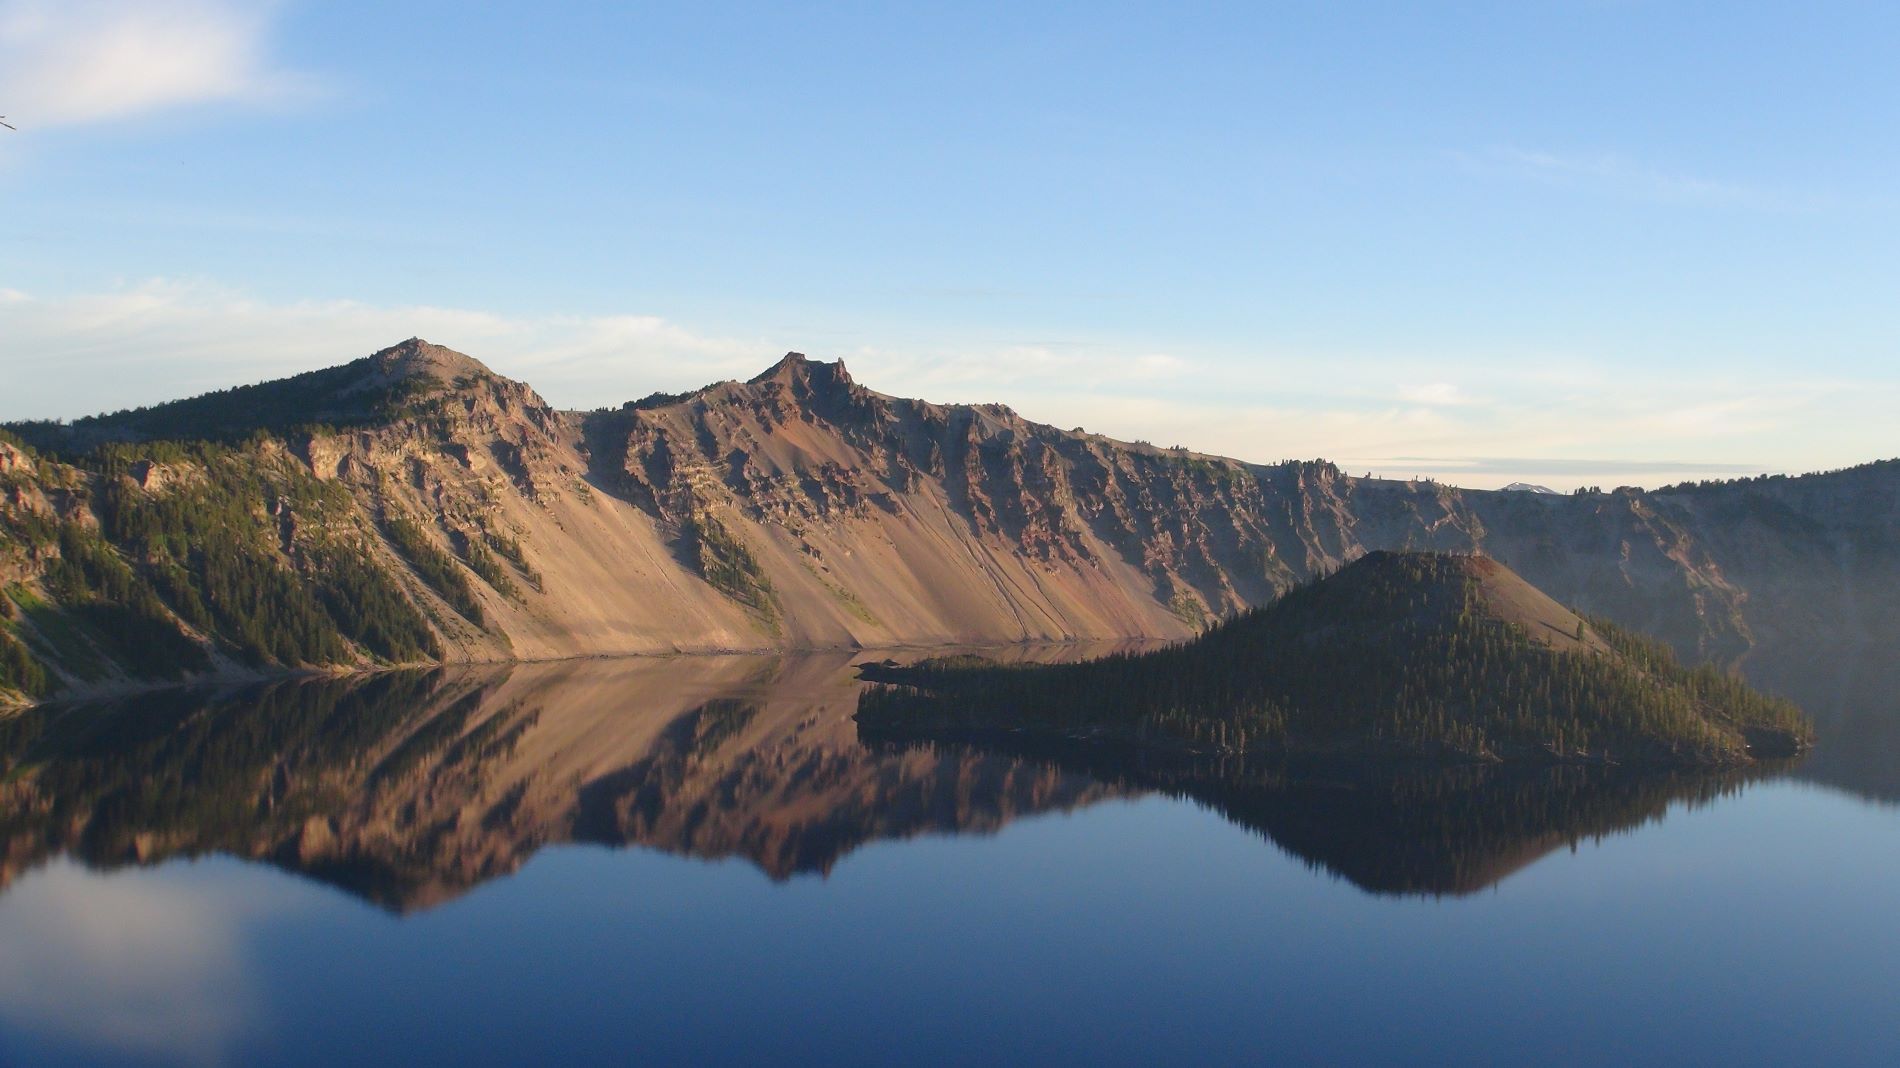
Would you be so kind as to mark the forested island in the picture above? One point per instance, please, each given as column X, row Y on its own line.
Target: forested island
column 1400, row 655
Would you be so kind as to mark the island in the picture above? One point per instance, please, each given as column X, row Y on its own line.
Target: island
column 1398, row 656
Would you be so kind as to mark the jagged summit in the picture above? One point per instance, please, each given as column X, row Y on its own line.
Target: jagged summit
column 790, row 366
column 796, row 369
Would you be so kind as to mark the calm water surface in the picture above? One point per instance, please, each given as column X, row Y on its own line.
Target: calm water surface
column 697, row 860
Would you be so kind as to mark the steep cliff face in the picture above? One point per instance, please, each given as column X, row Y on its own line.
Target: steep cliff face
column 800, row 509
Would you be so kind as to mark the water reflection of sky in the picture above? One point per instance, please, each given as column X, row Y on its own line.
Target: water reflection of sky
column 1757, row 929
column 1073, row 918
column 139, row 963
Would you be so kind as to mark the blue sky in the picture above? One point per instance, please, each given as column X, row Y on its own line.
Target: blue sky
column 1612, row 242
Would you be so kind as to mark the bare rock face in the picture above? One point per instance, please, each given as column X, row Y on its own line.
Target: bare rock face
column 800, row 509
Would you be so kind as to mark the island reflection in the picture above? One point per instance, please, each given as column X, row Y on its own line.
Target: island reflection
column 410, row 788
column 1395, row 829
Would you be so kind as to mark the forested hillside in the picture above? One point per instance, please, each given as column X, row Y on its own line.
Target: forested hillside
column 1402, row 654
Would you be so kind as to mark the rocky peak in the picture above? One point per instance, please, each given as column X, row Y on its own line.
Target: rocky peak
column 800, row 372
column 416, row 358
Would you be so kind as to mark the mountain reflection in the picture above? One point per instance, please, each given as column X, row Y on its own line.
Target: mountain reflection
column 409, row 788
column 1393, row 830
column 1854, row 697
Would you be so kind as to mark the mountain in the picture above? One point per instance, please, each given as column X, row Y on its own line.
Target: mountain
column 1529, row 487
column 413, row 506
column 1401, row 655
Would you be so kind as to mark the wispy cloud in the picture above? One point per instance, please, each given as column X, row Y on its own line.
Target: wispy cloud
column 65, row 62
column 1614, row 174
column 994, row 373
column 1475, row 419
column 163, row 339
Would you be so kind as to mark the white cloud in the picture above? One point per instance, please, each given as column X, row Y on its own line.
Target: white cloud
column 79, row 61
column 162, row 339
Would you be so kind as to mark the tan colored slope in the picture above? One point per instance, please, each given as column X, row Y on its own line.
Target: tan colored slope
column 851, row 560
column 1507, row 597
column 510, row 465
column 884, row 521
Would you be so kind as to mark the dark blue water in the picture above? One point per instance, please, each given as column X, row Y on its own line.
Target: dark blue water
column 698, row 908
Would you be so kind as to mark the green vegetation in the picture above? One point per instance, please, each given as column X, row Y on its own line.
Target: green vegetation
column 205, row 543
column 510, row 550
column 847, row 600
column 201, row 546
column 724, row 561
column 1701, row 485
column 1187, row 607
column 341, row 396
column 1401, row 653
column 110, row 609
column 488, row 567
column 852, row 602
column 19, row 671
column 437, row 568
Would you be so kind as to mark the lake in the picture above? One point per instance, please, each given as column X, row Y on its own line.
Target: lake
column 696, row 859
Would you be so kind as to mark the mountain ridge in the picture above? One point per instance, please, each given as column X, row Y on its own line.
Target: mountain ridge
column 801, row 509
